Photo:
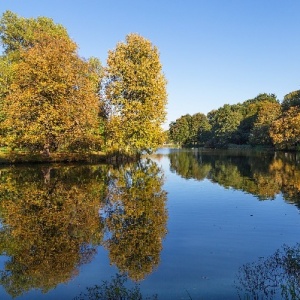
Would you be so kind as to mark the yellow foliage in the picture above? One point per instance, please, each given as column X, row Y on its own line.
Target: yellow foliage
column 52, row 103
column 136, row 96
column 136, row 219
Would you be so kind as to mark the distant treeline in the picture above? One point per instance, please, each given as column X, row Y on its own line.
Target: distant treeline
column 261, row 121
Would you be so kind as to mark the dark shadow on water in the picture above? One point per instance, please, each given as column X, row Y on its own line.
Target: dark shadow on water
column 273, row 277
column 115, row 289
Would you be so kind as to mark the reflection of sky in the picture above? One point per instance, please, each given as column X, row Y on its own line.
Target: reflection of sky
column 212, row 231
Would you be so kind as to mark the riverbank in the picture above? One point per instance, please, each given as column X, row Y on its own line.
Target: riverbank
column 17, row 157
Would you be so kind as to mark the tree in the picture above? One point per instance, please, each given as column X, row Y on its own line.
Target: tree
column 200, row 128
column 52, row 104
column 285, row 131
column 6, row 73
column 17, row 33
column 190, row 130
column 290, row 100
column 135, row 102
column 266, row 114
column 249, row 110
column 224, row 122
column 180, row 130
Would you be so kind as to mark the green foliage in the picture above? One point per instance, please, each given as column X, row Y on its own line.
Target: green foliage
column 190, row 130
column 180, row 130
column 224, row 122
column 17, row 33
column 290, row 100
column 243, row 124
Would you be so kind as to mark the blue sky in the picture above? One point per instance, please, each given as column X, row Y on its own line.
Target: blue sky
column 213, row 51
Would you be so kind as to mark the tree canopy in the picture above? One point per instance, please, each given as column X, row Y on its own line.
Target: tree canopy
column 53, row 100
column 261, row 121
column 135, row 96
column 52, row 103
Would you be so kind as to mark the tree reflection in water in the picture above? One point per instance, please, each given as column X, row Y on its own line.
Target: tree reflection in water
column 262, row 174
column 275, row 277
column 135, row 217
column 115, row 289
column 51, row 224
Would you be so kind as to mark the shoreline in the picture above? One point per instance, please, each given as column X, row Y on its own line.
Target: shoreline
column 27, row 158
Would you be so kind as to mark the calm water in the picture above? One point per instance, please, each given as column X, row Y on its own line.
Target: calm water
column 187, row 224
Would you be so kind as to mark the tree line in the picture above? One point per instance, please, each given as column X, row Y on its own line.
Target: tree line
column 261, row 121
column 53, row 100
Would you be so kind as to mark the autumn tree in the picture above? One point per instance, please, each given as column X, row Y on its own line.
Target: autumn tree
column 52, row 102
column 16, row 34
column 135, row 100
column 285, row 131
column 266, row 114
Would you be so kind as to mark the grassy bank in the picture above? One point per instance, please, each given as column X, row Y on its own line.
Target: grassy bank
column 9, row 157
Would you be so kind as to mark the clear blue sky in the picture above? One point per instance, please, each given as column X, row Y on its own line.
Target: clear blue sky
column 213, row 51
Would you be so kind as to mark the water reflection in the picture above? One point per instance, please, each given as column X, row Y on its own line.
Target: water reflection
column 51, row 223
column 274, row 277
column 114, row 289
column 262, row 174
column 135, row 217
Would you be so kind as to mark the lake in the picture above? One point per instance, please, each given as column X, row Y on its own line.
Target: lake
column 184, row 224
